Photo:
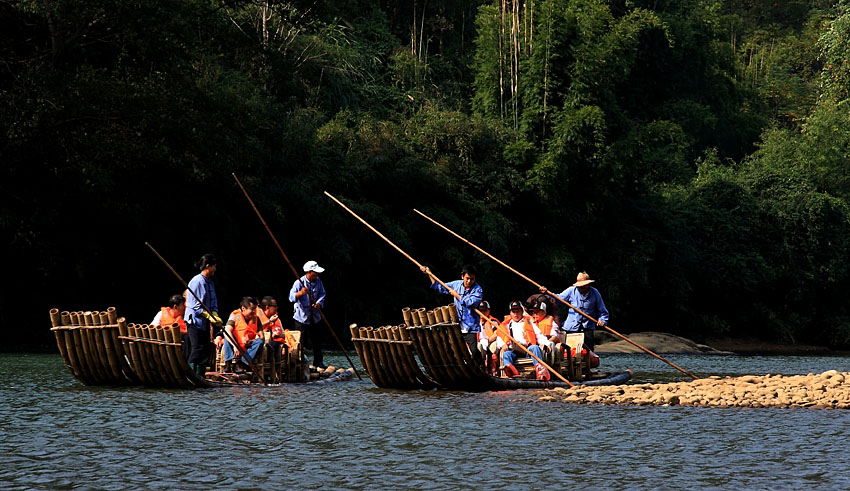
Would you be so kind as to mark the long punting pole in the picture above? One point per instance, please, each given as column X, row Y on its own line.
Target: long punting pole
column 454, row 293
column 556, row 296
column 297, row 276
column 207, row 310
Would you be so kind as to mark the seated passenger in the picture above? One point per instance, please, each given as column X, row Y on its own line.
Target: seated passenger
column 491, row 342
column 243, row 326
column 167, row 316
column 278, row 335
column 525, row 332
column 174, row 312
column 546, row 323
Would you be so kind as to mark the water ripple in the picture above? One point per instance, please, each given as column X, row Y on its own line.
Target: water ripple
column 57, row 433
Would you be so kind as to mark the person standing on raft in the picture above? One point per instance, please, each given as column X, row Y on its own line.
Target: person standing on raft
column 589, row 300
column 198, row 320
column 468, row 294
column 306, row 314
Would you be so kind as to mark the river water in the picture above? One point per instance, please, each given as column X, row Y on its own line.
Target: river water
column 57, row 433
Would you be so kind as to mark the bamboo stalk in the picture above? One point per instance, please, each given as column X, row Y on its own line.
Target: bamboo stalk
column 123, row 352
column 56, row 321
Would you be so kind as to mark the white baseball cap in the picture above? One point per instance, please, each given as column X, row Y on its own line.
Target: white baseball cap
column 313, row 266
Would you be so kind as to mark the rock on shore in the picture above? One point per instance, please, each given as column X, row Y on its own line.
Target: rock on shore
column 828, row 390
column 657, row 342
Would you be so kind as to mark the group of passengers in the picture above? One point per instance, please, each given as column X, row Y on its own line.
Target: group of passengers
column 529, row 329
column 249, row 328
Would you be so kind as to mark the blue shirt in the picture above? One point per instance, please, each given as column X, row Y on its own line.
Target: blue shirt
column 591, row 304
column 469, row 300
column 205, row 290
column 303, row 311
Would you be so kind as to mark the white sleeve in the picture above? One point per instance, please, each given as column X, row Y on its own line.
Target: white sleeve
column 541, row 339
column 157, row 318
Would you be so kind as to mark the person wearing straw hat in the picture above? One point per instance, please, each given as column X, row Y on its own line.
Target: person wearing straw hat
column 308, row 298
column 587, row 298
column 468, row 294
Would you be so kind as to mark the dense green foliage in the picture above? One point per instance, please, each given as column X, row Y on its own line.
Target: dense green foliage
column 690, row 155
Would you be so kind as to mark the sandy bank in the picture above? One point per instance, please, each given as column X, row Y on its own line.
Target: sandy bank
column 819, row 391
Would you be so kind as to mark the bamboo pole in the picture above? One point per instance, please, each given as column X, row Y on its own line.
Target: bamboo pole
column 604, row 326
column 414, row 261
column 297, row 276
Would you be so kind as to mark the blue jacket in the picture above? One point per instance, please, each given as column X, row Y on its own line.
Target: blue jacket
column 470, row 298
column 591, row 305
column 303, row 311
column 204, row 288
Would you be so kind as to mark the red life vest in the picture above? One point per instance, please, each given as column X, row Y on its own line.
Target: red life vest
column 169, row 316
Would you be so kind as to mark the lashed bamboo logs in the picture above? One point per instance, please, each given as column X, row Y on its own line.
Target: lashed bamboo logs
column 423, row 317
column 452, row 312
column 388, row 352
column 408, row 319
column 56, row 320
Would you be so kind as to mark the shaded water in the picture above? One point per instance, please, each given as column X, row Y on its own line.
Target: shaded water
column 57, row 433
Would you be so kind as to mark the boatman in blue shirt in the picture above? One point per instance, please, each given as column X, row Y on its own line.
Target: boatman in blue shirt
column 468, row 294
column 587, row 298
column 308, row 297
column 198, row 320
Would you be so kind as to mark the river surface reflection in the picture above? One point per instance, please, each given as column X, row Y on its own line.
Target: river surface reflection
column 57, row 433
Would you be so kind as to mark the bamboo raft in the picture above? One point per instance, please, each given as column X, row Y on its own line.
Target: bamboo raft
column 428, row 352
column 100, row 348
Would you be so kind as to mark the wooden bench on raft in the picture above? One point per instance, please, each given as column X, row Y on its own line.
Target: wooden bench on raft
column 574, row 368
column 290, row 369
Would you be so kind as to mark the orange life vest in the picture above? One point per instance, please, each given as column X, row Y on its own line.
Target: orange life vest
column 527, row 329
column 546, row 325
column 169, row 317
column 488, row 328
column 243, row 330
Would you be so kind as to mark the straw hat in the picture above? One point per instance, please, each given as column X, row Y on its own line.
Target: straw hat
column 583, row 279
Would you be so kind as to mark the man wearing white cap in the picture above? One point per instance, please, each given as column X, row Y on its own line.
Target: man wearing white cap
column 583, row 296
column 308, row 298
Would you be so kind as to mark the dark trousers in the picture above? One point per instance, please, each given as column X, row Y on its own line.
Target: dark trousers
column 199, row 345
column 471, row 340
column 315, row 332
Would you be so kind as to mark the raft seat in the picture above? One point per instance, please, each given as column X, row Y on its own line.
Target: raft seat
column 292, row 361
column 575, row 368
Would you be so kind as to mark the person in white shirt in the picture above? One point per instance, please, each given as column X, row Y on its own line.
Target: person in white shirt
column 524, row 332
column 546, row 323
